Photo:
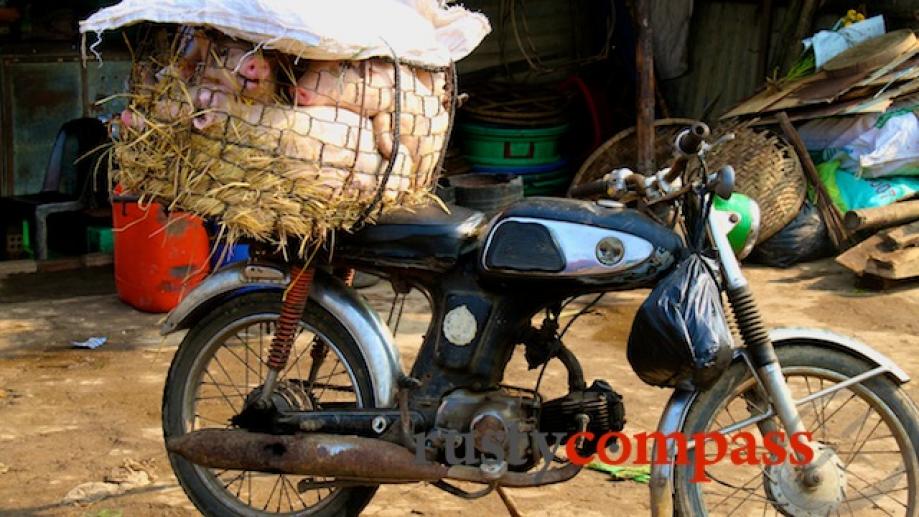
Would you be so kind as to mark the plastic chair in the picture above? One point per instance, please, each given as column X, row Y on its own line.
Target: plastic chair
column 55, row 197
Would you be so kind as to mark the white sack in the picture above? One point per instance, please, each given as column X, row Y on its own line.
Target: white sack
column 890, row 150
column 420, row 32
column 829, row 44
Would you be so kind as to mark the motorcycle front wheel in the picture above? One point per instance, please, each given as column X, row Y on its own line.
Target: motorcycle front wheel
column 868, row 432
column 221, row 364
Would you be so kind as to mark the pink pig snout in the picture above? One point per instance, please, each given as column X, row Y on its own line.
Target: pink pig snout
column 255, row 68
column 129, row 120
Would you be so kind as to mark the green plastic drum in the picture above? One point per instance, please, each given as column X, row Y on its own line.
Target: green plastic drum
column 490, row 145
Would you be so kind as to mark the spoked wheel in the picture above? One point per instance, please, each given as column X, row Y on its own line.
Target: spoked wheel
column 866, row 434
column 221, row 364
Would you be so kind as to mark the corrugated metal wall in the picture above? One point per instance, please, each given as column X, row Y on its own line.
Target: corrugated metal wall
column 551, row 26
column 724, row 46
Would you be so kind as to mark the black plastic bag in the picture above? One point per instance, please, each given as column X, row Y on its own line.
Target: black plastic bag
column 804, row 238
column 680, row 337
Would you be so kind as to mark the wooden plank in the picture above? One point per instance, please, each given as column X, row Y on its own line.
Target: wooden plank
column 61, row 264
column 644, row 60
column 896, row 68
column 831, row 215
column 877, row 283
column 759, row 102
column 821, row 91
column 17, row 267
column 902, row 236
column 882, row 217
column 98, row 259
column 895, row 265
column 903, row 89
column 856, row 257
column 873, row 54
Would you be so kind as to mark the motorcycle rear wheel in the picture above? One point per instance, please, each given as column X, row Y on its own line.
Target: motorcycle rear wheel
column 219, row 364
column 872, row 427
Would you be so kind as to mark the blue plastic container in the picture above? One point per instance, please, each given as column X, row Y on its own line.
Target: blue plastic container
column 221, row 257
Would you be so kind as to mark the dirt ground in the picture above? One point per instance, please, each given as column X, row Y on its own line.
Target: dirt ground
column 70, row 416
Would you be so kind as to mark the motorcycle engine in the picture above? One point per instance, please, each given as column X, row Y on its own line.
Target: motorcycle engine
column 470, row 426
column 599, row 402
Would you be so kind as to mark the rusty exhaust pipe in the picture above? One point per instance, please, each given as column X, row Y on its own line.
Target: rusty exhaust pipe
column 337, row 456
column 325, row 455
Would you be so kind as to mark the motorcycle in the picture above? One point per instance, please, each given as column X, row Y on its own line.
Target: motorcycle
column 287, row 396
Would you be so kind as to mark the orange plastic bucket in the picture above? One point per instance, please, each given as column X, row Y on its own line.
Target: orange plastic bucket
column 159, row 257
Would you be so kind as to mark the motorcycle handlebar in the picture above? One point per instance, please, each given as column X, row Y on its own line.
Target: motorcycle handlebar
column 592, row 188
column 688, row 142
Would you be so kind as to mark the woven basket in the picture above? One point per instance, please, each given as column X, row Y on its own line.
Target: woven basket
column 274, row 148
column 620, row 150
column 768, row 170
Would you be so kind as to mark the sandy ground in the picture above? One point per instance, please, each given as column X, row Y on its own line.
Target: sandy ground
column 71, row 416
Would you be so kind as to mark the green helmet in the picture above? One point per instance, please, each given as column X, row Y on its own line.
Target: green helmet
column 741, row 214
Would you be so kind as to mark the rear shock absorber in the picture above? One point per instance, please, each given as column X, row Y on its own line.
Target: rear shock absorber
column 288, row 322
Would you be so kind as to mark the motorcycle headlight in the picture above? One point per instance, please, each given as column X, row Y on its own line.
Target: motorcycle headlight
column 742, row 216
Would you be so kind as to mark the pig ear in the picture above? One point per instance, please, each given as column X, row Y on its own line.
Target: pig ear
column 302, row 96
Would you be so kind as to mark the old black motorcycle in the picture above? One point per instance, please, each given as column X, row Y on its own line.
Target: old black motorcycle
column 287, row 395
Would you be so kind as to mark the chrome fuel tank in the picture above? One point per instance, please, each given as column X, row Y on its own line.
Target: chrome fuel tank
column 551, row 238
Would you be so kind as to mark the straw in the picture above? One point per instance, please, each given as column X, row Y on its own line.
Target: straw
column 264, row 168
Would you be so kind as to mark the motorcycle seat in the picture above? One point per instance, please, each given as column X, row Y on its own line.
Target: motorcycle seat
column 426, row 238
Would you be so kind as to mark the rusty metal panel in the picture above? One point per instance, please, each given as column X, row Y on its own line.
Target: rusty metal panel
column 40, row 93
column 105, row 81
column 38, row 98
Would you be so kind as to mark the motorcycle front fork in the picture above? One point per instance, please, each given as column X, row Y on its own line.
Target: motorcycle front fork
column 754, row 333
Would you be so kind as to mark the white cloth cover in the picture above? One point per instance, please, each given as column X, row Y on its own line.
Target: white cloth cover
column 421, row 32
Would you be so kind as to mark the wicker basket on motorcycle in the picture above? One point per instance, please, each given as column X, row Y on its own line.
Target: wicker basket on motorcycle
column 768, row 170
column 275, row 148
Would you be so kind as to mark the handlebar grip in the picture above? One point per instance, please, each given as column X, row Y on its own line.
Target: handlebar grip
column 592, row 188
column 690, row 140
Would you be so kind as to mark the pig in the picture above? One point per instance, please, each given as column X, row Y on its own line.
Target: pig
column 192, row 55
column 240, row 71
column 230, row 65
column 368, row 87
column 170, row 106
column 329, row 136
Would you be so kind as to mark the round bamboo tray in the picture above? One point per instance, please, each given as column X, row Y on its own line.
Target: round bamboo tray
column 768, row 170
column 621, row 150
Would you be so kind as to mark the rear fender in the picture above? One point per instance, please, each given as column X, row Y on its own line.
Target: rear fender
column 674, row 414
column 374, row 340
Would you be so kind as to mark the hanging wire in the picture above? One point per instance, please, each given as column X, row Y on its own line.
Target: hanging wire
column 584, row 310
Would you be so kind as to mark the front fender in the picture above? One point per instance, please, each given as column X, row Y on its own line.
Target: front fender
column 374, row 340
column 674, row 414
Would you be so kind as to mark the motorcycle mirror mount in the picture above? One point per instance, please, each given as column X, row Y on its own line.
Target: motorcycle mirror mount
column 722, row 182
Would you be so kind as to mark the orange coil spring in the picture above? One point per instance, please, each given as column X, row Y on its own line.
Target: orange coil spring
column 348, row 276
column 289, row 320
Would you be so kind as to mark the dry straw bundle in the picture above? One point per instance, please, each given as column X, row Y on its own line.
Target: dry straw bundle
column 274, row 148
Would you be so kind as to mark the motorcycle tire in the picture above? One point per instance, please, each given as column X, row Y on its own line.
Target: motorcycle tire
column 206, row 496
column 880, row 393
